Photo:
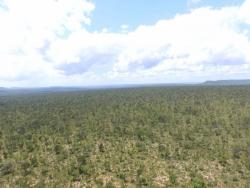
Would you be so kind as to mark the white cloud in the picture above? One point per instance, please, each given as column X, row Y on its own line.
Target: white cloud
column 124, row 26
column 28, row 26
column 44, row 43
column 245, row 12
column 192, row 40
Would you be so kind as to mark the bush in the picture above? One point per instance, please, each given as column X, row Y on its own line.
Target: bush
column 101, row 148
column 74, row 173
column 198, row 182
column 26, row 167
column 173, row 178
column 236, row 152
column 7, row 168
column 143, row 181
column 58, row 149
column 110, row 185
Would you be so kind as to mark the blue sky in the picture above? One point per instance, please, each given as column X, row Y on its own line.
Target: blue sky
column 112, row 14
column 96, row 42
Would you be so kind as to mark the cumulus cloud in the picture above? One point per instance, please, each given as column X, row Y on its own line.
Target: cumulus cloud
column 245, row 13
column 197, row 37
column 45, row 42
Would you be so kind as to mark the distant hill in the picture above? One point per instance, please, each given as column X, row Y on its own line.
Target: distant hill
column 227, row 82
column 2, row 89
column 21, row 90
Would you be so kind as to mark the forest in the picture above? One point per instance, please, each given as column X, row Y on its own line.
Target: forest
column 179, row 136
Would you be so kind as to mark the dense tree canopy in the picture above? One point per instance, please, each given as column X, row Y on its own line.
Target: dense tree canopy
column 144, row 137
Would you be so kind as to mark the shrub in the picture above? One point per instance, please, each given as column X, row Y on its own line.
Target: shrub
column 58, row 149
column 110, row 185
column 7, row 168
column 198, row 182
column 172, row 178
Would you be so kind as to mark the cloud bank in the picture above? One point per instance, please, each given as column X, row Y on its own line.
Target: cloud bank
column 45, row 43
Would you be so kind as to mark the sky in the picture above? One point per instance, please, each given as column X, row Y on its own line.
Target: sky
column 95, row 42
